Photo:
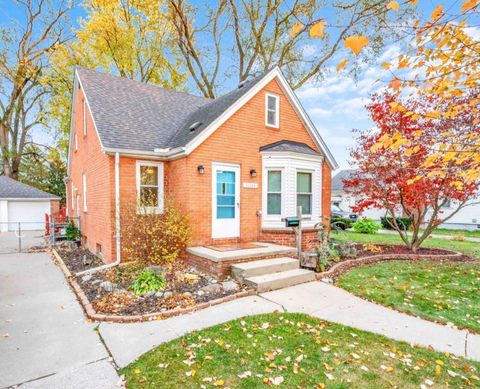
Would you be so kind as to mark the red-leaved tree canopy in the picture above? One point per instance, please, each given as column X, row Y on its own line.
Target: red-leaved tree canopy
column 401, row 175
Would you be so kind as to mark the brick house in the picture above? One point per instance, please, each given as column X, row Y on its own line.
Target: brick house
column 237, row 164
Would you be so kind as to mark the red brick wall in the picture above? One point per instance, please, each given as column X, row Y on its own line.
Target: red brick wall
column 237, row 141
column 96, row 223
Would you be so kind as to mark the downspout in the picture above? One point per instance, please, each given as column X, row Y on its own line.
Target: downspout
column 117, row 223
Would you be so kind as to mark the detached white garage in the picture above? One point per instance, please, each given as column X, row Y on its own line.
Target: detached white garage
column 24, row 204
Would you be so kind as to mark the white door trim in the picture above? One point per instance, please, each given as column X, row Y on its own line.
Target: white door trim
column 225, row 228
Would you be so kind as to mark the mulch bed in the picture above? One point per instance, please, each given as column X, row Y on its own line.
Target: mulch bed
column 109, row 291
column 365, row 250
column 78, row 259
column 372, row 254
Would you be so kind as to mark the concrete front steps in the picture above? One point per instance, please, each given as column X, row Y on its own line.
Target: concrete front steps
column 270, row 274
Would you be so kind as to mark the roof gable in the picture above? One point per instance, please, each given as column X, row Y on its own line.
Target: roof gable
column 131, row 116
column 13, row 189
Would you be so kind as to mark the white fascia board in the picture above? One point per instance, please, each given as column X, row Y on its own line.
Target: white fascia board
column 307, row 121
column 26, row 199
column 161, row 156
column 274, row 73
column 292, row 155
column 197, row 141
column 77, row 82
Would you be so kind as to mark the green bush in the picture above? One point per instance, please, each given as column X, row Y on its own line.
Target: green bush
column 366, row 226
column 148, row 281
column 72, row 232
column 403, row 222
column 342, row 223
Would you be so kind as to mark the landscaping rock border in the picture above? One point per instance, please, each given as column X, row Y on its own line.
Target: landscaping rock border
column 93, row 315
column 344, row 266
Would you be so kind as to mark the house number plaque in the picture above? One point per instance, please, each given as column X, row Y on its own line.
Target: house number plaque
column 251, row 185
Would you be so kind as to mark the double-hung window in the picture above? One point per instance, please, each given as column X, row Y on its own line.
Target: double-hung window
column 304, row 192
column 272, row 110
column 150, row 186
column 274, row 192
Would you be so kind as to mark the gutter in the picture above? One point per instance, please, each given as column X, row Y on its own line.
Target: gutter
column 161, row 154
column 118, row 256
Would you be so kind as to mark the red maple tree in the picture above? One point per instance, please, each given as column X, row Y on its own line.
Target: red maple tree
column 399, row 177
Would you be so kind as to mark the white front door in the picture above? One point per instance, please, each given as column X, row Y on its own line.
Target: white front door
column 225, row 201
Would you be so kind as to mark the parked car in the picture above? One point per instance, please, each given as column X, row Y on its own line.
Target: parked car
column 338, row 212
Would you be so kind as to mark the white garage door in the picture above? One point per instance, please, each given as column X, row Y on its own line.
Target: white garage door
column 31, row 214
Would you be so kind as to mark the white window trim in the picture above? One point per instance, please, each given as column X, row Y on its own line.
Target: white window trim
column 268, row 216
column 84, row 188
column 290, row 163
column 84, row 117
column 159, row 165
column 311, row 172
column 277, row 110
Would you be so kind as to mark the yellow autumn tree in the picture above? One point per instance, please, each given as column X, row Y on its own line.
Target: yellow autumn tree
column 128, row 38
column 444, row 63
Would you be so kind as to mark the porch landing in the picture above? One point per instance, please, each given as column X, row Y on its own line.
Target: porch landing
column 261, row 250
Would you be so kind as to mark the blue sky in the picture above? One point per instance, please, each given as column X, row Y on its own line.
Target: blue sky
column 336, row 104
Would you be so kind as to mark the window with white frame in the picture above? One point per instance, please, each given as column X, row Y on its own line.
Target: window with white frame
column 84, row 118
column 272, row 108
column 150, row 186
column 274, row 192
column 304, row 192
column 84, row 187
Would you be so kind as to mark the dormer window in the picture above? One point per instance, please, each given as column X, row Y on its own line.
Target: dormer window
column 272, row 110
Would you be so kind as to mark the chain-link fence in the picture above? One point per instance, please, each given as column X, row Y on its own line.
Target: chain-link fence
column 18, row 237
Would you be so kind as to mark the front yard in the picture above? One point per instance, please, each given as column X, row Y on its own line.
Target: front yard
column 469, row 248
column 443, row 292
column 295, row 350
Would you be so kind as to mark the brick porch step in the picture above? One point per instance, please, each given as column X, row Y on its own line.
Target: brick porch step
column 240, row 271
column 283, row 279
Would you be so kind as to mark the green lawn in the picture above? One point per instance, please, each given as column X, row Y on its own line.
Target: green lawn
column 445, row 231
column 443, row 292
column 291, row 351
column 471, row 248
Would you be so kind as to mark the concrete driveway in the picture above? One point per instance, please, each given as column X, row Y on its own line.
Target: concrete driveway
column 9, row 241
column 45, row 340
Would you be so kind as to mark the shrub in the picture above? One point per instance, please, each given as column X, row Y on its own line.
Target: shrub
column 403, row 222
column 366, row 226
column 155, row 239
column 148, row 281
column 71, row 231
column 341, row 223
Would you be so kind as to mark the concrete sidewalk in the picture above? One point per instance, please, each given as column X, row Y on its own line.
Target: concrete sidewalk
column 45, row 340
column 127, row 342
column 330, row 303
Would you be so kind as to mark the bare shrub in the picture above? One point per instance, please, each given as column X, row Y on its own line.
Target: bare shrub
column 152, row 238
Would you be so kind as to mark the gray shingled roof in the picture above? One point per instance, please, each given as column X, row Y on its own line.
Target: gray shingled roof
column 13, row 189
column 291, row 146
column 138, row 116
column 337, row 180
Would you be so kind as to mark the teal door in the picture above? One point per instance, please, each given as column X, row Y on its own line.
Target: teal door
column 226, row 220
